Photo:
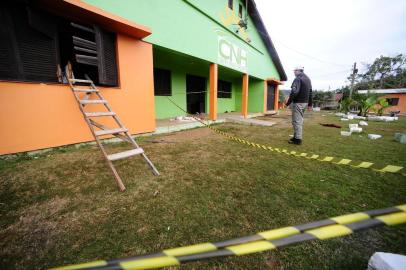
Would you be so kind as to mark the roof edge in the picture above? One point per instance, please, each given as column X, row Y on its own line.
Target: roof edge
column 384, row 91
column 81, row 11
column 254, row 13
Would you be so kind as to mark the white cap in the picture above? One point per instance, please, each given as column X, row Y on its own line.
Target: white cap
column 299, row 68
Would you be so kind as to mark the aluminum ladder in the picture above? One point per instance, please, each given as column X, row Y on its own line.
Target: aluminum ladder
column 89, row 89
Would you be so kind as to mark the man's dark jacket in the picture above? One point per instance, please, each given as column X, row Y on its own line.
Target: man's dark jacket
column 301, row 90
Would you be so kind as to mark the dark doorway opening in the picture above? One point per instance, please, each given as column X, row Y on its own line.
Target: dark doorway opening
column 195, row 94
column 270, row 100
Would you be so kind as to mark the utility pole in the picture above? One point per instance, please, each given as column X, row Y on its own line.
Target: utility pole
column 354, row 73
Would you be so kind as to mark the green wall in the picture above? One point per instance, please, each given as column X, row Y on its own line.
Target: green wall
column 230, row 104
column 193, row 28
column 256, row 95
column 185, row 36
column 180, row 65
column 164, row 108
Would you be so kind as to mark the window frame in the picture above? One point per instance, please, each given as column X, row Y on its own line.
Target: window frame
column 240, row 11
column 36, row 19
column 23, row 31
column 231, row 4
column 165, row 93
column 220, row 89
column 393, row 101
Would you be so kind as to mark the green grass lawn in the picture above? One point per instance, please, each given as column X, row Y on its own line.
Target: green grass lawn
column 63, row 206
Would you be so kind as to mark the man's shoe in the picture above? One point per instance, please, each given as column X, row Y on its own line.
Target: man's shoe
column 295, row 141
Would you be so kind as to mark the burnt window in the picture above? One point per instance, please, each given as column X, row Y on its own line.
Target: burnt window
column 162, row 82
column 393, row 101
column 223, row 89
column 230, row 4
column 28, row 44
column 36, row 46
column 91, row 50
column 240, row 10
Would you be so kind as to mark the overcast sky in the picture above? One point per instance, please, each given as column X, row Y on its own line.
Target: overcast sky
column 328, row 36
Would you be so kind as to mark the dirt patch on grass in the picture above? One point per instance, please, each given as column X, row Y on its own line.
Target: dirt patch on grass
column 273, row 262
column 187, row 135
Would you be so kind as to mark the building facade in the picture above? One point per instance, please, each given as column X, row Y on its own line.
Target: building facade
column 395, row 97
column 209, row 56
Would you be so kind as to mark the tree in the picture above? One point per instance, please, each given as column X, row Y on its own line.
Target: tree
column 384, row 72
column 345, row 90
column 367, row 102
column 382, row 104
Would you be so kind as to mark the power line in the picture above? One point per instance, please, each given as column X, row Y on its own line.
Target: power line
column 338, row 72
column 310, row 56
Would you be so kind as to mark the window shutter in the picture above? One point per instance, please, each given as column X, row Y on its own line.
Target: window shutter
column 9, row 57
column 106, row 51
column 223, row 89
column 25, row 52
column 38, row 51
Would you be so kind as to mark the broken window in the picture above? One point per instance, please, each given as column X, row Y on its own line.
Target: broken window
column 36, row 46
column 28, row 44
column 94, row 52
column 223, row 89
column 162, row 82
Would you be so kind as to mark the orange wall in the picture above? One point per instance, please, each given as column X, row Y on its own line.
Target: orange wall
column 401, row 105
column 36, row 115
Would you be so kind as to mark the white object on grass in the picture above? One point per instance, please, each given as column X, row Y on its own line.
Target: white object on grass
column 345, row 133
column 399, row 137
column 356, row 129
column 185, row 118
column 344, row 119
column 382, row 118
column 386, row 261
column 374, row 136
column 353, row 126
column 363, row 123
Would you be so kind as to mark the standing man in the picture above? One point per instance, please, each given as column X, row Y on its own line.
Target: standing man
column 300, row 97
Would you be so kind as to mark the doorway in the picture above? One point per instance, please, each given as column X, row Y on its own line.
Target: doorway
column 270, row 100
column 195, row 94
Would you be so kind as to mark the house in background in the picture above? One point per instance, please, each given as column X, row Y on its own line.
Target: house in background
column 209, row 56
column 395, row 97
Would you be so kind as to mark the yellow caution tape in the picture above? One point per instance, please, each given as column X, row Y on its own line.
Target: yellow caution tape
column 339, row 161
column 267, row 240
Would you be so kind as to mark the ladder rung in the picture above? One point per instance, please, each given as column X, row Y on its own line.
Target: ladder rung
column 97, row 114
column 85, row 90
column 93, row 101
column 80, row 80
column 110, row 131
column 125, row 154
